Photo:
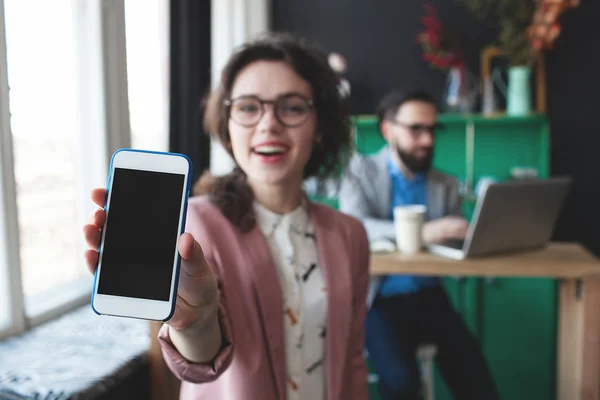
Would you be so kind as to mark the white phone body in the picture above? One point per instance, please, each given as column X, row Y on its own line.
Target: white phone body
column 138, row 260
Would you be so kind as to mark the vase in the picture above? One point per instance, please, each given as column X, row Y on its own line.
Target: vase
column 517, row 91
column 461, row 91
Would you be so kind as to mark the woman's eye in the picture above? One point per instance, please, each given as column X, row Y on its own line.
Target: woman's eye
column 248, row 108
column 296, row 109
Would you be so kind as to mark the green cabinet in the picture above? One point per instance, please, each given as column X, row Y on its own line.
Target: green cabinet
column 470, row 147
column 515, row 322
column 514, row 319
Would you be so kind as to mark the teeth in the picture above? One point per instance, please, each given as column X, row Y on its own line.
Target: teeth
column 269, row 149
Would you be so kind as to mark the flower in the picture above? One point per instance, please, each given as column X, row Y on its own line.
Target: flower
column 439, row 44
column 544, row 28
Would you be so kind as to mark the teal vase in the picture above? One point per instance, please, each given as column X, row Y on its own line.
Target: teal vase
column 517, row 91
column 518, row 100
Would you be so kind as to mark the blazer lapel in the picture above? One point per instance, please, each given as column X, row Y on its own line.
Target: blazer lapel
column 436, row 198
column 335, row 262
column 270, row 305
column 379, row 177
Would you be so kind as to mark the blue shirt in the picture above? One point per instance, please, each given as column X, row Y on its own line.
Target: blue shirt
column 403, row 192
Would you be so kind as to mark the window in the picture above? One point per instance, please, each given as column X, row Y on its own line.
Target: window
column 63, row 111
column 44, row 130
column 146, row 24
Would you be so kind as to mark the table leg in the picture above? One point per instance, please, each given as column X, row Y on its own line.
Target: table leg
column 578, row 374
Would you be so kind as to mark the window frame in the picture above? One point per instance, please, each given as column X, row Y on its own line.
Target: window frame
column 10, row 263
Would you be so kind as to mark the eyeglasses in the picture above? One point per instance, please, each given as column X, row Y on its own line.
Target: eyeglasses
column 418, row 129
column 290, row 110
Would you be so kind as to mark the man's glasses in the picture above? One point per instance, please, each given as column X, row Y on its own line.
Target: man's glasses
column 290, row 110
column 419, row 129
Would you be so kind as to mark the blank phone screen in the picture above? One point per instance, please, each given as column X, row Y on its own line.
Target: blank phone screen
column 141, row 234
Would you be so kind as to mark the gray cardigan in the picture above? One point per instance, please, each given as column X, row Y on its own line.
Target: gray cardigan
column 365, row 194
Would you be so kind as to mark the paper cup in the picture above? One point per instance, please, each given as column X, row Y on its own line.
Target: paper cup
column 408, row 221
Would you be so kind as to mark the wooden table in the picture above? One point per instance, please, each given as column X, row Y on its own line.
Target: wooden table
column 579, row 310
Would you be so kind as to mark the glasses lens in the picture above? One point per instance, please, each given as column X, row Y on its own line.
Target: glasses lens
column 293, row 110
column 246, row 111
column 418, row 129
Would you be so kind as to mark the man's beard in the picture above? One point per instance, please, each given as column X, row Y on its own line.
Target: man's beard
column 413, row 163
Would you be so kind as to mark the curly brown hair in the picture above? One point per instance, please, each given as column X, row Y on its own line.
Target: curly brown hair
column 231, row 193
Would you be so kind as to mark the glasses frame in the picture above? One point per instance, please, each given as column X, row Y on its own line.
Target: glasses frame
column 309, row 103
column 418, row 129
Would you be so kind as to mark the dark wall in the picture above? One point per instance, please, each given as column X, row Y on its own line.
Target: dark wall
column 573, row 83
column 378, row 39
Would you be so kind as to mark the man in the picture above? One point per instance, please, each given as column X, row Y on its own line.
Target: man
column 406, row 311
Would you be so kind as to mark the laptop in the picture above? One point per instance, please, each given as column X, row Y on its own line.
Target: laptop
column 509, row 217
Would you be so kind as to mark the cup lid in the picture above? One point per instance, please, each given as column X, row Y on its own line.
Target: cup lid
column 410, row 209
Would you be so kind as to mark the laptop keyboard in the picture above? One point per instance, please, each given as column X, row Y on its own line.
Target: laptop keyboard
column 454, row 243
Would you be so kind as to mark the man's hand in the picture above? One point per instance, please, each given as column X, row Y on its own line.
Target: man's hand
column 439, row 230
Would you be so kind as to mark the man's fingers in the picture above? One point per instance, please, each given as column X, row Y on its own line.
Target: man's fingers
column 459, row 230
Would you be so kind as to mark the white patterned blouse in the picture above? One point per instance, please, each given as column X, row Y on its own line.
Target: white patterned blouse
column 293, row 248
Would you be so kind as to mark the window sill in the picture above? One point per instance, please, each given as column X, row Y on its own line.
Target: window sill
column 78, row 355
column 53, row 303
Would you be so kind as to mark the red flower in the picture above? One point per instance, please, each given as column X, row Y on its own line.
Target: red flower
column 433, row 43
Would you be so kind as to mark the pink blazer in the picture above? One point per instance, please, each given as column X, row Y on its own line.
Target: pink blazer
column 251, row 364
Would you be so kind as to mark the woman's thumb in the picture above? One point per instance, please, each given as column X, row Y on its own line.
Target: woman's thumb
column 192, row 254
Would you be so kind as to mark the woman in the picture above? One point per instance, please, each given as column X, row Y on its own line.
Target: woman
column 272, row 294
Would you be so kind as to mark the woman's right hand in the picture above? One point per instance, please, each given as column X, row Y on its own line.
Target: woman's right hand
column 197, row 296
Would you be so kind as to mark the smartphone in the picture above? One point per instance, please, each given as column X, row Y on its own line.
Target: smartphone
column 138, row 262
